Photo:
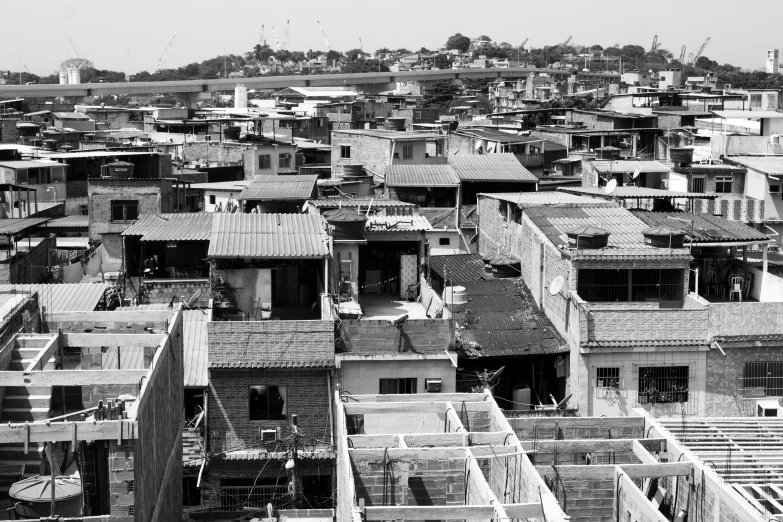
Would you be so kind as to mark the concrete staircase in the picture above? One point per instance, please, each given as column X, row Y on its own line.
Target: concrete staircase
column 16, row 465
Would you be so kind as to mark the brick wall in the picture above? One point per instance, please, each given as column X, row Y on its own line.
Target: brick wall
column 418, row 483
column 162, row 291
column 211, row 151
column 229, row 421
column 257, row 341
column 100, row 198
column 373, row 153
column 415, row 335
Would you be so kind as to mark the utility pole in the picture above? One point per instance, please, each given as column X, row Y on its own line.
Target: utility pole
column 295, row 458
column 20, row 67
column 128, row 77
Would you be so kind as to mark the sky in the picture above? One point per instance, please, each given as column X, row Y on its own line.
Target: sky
column 133, row 35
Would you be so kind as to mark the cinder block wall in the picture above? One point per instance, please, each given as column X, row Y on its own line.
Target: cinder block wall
column 162, row 291
column 121, row 479
column 415, row 335
column 417, row 483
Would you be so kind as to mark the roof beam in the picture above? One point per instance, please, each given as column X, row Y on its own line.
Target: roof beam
column 88, row 340
column 606, row 471
column 408, row 408
column 67, row 431
column 45, row 354
column 72, row 377
column 530, row 510
column 136, row 316
column 584, row 445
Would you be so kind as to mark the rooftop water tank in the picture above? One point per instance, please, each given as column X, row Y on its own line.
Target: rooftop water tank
column 663, row 237
column 395, row 124
column 36, row 493
column 607, row 153
column 345, row 223
column 587, row 237
column 231, row 132
column 118, row 170
column 682, row 155
column 353, row 170
column 505, row 266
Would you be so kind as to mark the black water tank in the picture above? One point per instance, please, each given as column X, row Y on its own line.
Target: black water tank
column 505, row 266
column 347, row 223
column 663, row 237
column 587, row 237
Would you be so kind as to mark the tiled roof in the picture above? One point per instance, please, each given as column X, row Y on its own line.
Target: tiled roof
column 461, row 268
column 251, row 236
column 378, row 223
column 185, row 226
column 276, row 188
column 501, row 319
column 194, row 340
column 637, row 343
column 761, row 338
column 627, row 166
column 100, row 154
column 358, row 202
column 635, row 192
column 71, row 116
column 767, row 164
column 78, row 297
column 403, row 175
column 490, row 167
column 751, row 115
column 322, row 363
column 706, row 227
column 11, row 226
column 70, row 222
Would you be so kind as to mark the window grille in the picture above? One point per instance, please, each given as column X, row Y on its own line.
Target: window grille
column 607, row 378
column 630, row 285
column 663, row 384
column 762, row 379
column 397, row 386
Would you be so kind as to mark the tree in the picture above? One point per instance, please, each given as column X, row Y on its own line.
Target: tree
column 364, row 66
column 440, row 93
column 334, row 56
column 402, row 50
column 442, row 61
column 262, row 53
column 458, row 41
column 282, row 55
column 353, row 54
column 424, row 50
column 477, row 84
column 297, row 56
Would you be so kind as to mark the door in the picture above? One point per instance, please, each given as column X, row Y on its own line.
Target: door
column 408, row 273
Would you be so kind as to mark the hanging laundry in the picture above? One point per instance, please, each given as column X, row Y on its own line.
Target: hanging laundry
column 73, row 273
column 95, row 263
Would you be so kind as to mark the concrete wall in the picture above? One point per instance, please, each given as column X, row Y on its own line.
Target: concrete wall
column 373, row 336
column 100, row 197
column 745, row 318
column 163, row 290
column 252, row 162
column 362, row 377
column 419, row 483
column 31, row 267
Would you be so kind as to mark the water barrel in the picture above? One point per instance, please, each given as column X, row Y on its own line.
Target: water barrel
column 607, row 153
column 353, row 170
column 395, row 124
column 487, row 260
column 36, row 494
column 663, row 237
column 587, row 237
column 505, row 266
column 231, row 133
column 50, row 145
column 347, row 224
column 118, row 170
column 681, row 154
column 455, row 295
column 379, row 121
column 66, row 148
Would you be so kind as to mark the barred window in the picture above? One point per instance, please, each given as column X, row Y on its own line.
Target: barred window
column 397, row 386
column 607, row 378
column 762, row 379
column 663, row 384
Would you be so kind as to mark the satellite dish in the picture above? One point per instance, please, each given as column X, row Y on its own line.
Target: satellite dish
column 609, row 188
column 636, row 173
column 189, row 304
column 556, row 285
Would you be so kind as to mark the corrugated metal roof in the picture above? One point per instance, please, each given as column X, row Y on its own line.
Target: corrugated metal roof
column 490, row 167
column 185, row 226
column 750, row 115
column 379, row 223
column 403, row 175
column 75, row 221
column 268, row 235
column 99, row 154
column 497, row 136
column 622, row 166
column 79, row 297
column 71, row 116
column 458, row 268
column 706, row 227
column 222, row 186
column 767, row 164
column 29, row 164
column 540, row 199
column 635, row 192
column 194, row 340
column 358, row 202
column 624, row 227
column 11, row 226
column 276, row 188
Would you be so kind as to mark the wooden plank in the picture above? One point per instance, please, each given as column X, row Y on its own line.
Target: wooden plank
column 63, row 431
column 410, row 408
column 608, row 423
column 606, row 471
column 373, row 441
column 72, row 377
column 44, row 355
column 530, row 510
column 134, row 316
column 87, row 340
column 408, row 453
column 583, row 445
column 417, row 440
column 457, row 398
column 495, row 438
column 429, row 512
column 642, row 454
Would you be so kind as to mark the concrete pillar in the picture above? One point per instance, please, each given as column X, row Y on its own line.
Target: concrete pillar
column 240, row 97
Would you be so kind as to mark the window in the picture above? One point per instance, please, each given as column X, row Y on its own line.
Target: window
column 774, row 189
column 723, row 184
column 697, row 184
column 267, row 403
column 397, row 386
column 601, row 285
column 124, row 210
column 345, row 151
column 663, row 384
column 112, row 119
column 407, row 152
column 319, row 122
column 762, row 379
column 417, row 115
column 265, row 161
column 285, row 160
column 444, row 241
column 755, row 100
column 212, row 199
column 396, row 155
column 607, row 378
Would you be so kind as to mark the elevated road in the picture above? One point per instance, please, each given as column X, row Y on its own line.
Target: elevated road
column 268, row 82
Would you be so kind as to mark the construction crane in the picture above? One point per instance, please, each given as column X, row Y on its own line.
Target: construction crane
column 682, row 55
column 285, row 39
column 522, row 45
column 162, row 59
column 326, row 39
column 75, row 48
column 261, row 38
column 277, row 41
column 655, row 45
column 701, row 50
column 361, row 45
column 564, row 44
